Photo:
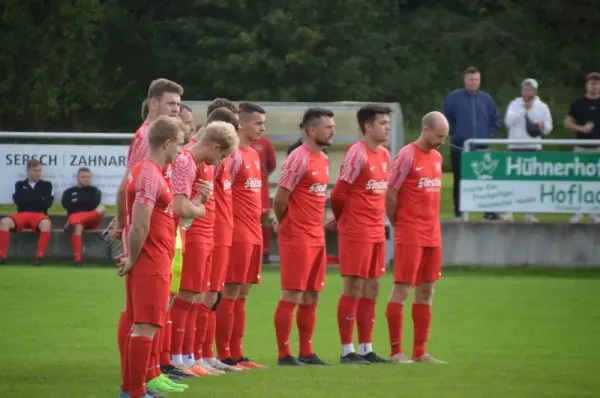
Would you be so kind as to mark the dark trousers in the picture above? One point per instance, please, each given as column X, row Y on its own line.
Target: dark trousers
column 455, row 155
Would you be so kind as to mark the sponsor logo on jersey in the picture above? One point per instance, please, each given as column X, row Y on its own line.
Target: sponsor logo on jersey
column 253, row 184
column 430, row 184
column 376, row 187
column 318, row 189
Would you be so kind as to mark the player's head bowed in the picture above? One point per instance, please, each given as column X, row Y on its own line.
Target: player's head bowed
column 221, row 139
column 166, row 134
column 434, row 129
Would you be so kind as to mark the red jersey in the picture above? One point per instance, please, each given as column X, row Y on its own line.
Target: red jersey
column 244, row 166
column 417, row 176
column 139, row 148
column 186, row 173
column 223, row 208
column 266, row 153
column 306, row 175
column 147, row 185
column 367, row 172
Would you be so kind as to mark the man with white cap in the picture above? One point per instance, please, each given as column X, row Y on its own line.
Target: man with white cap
column 527, row 117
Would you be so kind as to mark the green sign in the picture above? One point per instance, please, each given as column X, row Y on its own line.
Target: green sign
column 547, row 182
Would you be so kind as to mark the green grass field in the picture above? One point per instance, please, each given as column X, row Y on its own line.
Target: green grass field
column 446, row 207
column 505, row 333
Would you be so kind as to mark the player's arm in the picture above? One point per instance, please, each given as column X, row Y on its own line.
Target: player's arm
column 138, row 150
column 571, row 119
column 138, row 232
column 353, row 163
column 48, row 196
column 292, row 171
column 182, row 180
column 271, row 160
column 183, row 207
column 67, row 204
column 400, row 170
column 18, row 194
column 96, row 199
column 120, row 201
column 339, row 193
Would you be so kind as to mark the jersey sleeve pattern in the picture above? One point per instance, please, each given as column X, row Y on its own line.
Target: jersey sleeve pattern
column 138, row 149
column 353, row 163
column 293, row 169
column 182, row 175
column 401, row 167
column 147, row 186
column 234, row 163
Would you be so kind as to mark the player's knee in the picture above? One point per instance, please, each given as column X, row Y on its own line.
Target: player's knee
column 144, row 329
column 310, row 298
column 371, row 288
column 6, row 224
column 353, row 286
column 231, row 290
column 101, row 210
column 187, row 295
column 424, row 293
column 45, row 225
column 217, row 301
column 78, row 229
column 400, row 292
column 291, row 296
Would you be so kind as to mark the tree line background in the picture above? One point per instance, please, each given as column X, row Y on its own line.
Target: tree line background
column 85, row 65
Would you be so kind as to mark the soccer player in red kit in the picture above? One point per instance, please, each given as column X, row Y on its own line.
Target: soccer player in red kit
column 245, row 260
column 413, row 208
column 358, row 204
column 164, row 99
column 193, row 180
column 266, row 153
column 300, row 210
column 149, row 249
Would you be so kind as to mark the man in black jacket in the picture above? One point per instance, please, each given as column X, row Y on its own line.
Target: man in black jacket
column 82, row 203
column 33, row 197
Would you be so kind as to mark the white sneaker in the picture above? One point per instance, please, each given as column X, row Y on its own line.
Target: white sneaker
column 576, row 219
column 530, row 218
column 218, row 365
column 508, row 217
column 401, row 358
column 595, row 218
column 206, row 366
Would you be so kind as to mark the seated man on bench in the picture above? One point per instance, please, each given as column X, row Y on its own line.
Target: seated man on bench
column 33, row 197
column 82, row 203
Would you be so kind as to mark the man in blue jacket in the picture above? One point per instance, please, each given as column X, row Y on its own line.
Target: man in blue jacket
column 472, row 113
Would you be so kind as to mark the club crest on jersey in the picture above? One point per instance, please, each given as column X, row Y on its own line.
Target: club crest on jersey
column 384, row 167
column 318, row 189
column 253, row 184
column 168, row 172
column 257, row 164
column 430, row 184
column 227, row 186
column 376, row 187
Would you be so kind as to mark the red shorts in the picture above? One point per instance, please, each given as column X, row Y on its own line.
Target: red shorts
column 245, row 263
column 89, row 219
column 147, row 298
column 27, row 220
column 196, row 261
column 362, row 259
column 417, row 264
column 303, row 267
column 218, row 270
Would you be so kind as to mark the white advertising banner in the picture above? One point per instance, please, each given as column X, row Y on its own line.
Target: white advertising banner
column 61, row 162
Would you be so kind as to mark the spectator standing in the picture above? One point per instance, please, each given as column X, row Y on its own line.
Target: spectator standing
column 527, row 117
column 266, row 154
column 84, row 212
column 584, row 120
column 33, row 197
column 471, row 113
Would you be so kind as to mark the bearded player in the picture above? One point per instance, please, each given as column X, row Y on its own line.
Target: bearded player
column 300, row 210
column 245, row 260
column 164, row 99
column 358, row 204
column 413, row 208
column 149, row 248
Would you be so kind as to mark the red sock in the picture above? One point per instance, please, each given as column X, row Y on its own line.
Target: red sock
column 421, row 315
column 43, row 241
column 201, row 328
column 305, row 320
column 76, row 244
column 284, row 318
column 4, row 238
column 346, row 315
column 138, row 358
column 125, row 386
column 153, row 361
column 224, row 327
column 179, row 313
column 209, row 340
column 165, row 352
column 239, row 327
column 365, row 320
column 267, row 232
column 123, row 330
column 393, row 314
column 190, row 330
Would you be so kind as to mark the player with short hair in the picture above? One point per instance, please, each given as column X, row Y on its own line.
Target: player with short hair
column 221, row 103
column 149, row 246
column 245, row 260
column 193, row 181
column 84, row 212
column 33, row 197
column 300, row 210
column 413, row 208
column 187, row 117
column 358, row 204
column 163, row 99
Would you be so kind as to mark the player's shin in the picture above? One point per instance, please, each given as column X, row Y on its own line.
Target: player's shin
column 138, row 358
column 283, row 319
column 346, row 316
column 202, row 319
column 306, row 320
column 224, row 327
column 179, row 313
column 190, row 336
column 365, row 321
column 239, row 328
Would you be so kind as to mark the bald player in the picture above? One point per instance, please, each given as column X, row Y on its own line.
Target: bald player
column 413, row 208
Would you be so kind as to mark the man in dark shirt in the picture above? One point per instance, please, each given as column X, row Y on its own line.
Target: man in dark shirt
column 82, row 203
column 584, row 120
column 33, row 197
